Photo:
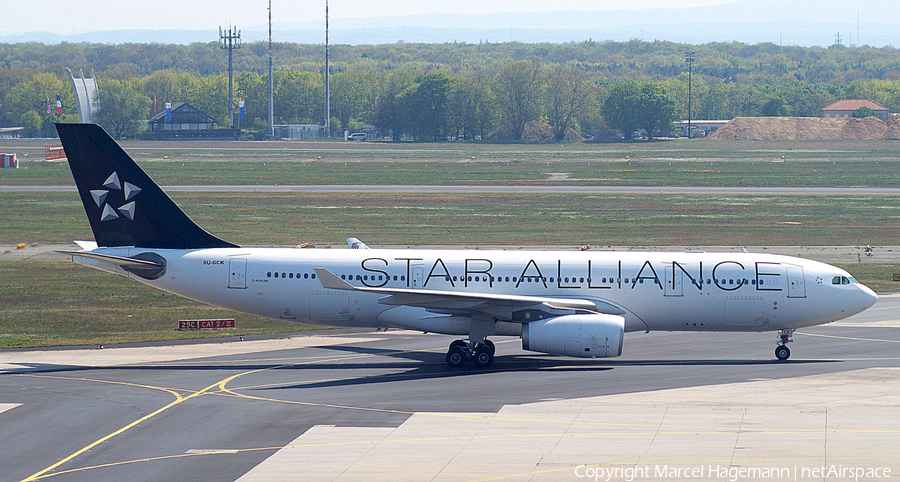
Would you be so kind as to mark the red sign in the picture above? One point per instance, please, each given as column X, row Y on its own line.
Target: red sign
column 200, row 324
column 53, row 151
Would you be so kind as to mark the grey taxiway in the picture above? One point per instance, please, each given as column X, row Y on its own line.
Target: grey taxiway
column 352, row 405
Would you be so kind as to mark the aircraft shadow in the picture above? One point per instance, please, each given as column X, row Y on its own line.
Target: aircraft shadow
column 415, row 365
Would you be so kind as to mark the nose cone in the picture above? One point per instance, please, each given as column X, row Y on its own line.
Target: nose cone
column 866, row 297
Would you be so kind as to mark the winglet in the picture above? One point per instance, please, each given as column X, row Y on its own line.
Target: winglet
column 332, row 281
column 355, row 243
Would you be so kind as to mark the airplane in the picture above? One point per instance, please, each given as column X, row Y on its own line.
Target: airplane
column 570, row 303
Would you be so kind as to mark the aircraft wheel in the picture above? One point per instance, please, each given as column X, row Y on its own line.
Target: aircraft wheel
column 782, row 353
column 484, row 356
column 490, row 344
column 456, row 356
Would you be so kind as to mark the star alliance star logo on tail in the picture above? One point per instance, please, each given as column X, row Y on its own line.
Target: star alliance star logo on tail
column 100, row 196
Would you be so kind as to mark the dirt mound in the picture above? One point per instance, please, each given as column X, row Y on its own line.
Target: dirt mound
column 537, row 131
column 573, row 135
column 808, row 128
column 864, row 129
column 893, row 128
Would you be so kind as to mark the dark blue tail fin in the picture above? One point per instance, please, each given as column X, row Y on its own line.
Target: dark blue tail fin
column 124, row 206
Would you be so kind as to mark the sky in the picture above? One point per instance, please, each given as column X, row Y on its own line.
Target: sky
column 79, row 16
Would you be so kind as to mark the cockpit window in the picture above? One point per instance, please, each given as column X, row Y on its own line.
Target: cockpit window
column 853, row 280
column 836, row 280
column 842, row 280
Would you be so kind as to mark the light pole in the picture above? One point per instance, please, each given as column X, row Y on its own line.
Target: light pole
column 327, row 84
column 689, row 56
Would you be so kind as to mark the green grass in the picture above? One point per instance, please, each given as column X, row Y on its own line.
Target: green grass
column 68, row 304
column 680, row 149
column 527, row 172
column 471, row 219
column 879, row 277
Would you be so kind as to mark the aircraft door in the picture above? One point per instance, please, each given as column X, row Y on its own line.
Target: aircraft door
column 418, row 273
column 796, row 282
column 673, row 282
column 328, row 307
column 237, row 273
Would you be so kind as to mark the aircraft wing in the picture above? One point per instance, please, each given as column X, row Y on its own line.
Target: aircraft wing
column 499, row 305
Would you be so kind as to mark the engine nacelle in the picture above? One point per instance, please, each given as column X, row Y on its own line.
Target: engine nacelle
column 584, row 336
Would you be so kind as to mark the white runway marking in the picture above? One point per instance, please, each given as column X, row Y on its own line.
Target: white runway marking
column 8, row 406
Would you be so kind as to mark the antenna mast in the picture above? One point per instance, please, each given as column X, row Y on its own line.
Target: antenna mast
column 327, row 84
column 230, row 39
column 271, row 83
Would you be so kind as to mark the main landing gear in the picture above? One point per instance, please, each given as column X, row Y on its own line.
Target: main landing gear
column 482, row 354
column 782, row 352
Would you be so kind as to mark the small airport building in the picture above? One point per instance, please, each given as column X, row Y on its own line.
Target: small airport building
column 845, row 108
column 184, row 117
column 187, row 122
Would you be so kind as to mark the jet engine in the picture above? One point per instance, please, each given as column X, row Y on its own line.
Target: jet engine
column 585, row 336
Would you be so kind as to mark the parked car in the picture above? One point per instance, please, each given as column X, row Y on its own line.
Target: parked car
column 358, row 136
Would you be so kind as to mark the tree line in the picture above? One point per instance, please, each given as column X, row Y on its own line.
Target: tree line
column 435, row 91
column 654, row 60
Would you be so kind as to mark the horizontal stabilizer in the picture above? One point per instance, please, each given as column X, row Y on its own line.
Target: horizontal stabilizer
column 119, row 260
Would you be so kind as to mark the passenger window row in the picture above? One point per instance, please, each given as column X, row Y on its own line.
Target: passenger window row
column 365, row 277
column 528, row 279
column 276, row 274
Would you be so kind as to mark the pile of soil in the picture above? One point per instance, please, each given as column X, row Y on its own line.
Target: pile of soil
column 537, row 131
column 893, row 128
column 541, row 132
column 573, row 135
column 809, row 128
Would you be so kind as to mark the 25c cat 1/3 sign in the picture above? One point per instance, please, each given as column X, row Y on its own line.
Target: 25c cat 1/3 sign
column 200, row 324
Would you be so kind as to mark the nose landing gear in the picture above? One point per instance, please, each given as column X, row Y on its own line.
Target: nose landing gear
column 482, row 354
column 782, row 352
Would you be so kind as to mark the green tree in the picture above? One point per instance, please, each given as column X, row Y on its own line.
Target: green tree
column 426, row 103
column 863, row 112
column 31, row 95
column 518, row 91
column 122, row 109
column 567, row 96
column 299, row 98
column 486, row 110
column 167, row 86
column 775, row 106
column 389, row 116
column 210, row 96
column 633, row 105
column 31, row 121
column 461, row 106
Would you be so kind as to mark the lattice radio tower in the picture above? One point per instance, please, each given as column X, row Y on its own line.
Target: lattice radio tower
column 230, row 39
column 271, row 84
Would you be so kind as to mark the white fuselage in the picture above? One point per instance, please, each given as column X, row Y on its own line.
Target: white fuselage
column 669, row 291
